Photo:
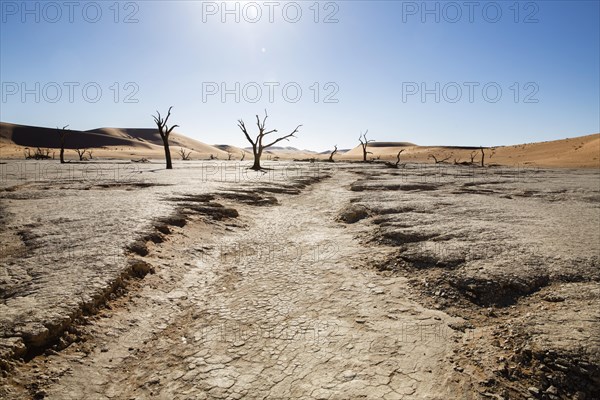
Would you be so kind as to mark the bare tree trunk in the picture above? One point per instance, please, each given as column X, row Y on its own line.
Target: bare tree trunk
column 332, row 154
column 167, row 153
column 164, row 132
column 257, row 144
column 482, row 156
column 62, row 134
column 81, row 154
column 398, row 157
column 256, row 166
column 473, row 155
column 364, row 144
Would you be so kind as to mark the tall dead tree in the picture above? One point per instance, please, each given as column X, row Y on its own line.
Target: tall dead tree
column 257, row 144
column 364, row 143
column 164, row 132
column 62, row 134
column 332, row 154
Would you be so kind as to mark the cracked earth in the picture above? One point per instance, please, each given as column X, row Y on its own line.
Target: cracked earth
column 278, row 306
column 314, row 288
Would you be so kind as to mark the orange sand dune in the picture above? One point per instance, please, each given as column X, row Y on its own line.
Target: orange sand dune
column 577, row 152
column 131, row 143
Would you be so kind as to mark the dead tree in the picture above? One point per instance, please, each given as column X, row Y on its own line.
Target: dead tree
column 397, row 163
column 81, row 154
column 184, row 156
column 398, row 157
column 493, row 151
column 473, row 155
column 164, row 132
column 42, row 154
column 90, row 153
column 243, row 156
column 482, row 156
column 62, row 134
column 257, row 144
column 364, row 144
column 439, row 161
column 39, row 154
column 332, row 154
column 229, row 155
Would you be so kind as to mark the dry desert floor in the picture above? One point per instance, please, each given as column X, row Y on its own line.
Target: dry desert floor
column 121, row 280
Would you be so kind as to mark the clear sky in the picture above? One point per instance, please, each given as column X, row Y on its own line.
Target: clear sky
column 428, row 73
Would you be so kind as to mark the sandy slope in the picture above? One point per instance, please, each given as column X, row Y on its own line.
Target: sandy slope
column 578, row 152
column 120, row 143
column 127, row 143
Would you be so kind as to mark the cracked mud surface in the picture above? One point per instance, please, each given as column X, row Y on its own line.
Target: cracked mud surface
column 346, row 286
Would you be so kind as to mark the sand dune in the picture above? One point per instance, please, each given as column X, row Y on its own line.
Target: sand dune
column 235, row 151
column 151, row 136
column 127, row 143
column 288, row 153
column 578, row 152
column 122, row 143
column 33, row 136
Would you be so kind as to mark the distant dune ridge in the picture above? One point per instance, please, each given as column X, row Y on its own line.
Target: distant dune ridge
column 130, row 143
column 577, row 152
column 233, row 150
column 391, row 144
column 106, row 142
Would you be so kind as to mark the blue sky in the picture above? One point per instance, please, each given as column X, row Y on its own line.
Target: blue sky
column 366, row 68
